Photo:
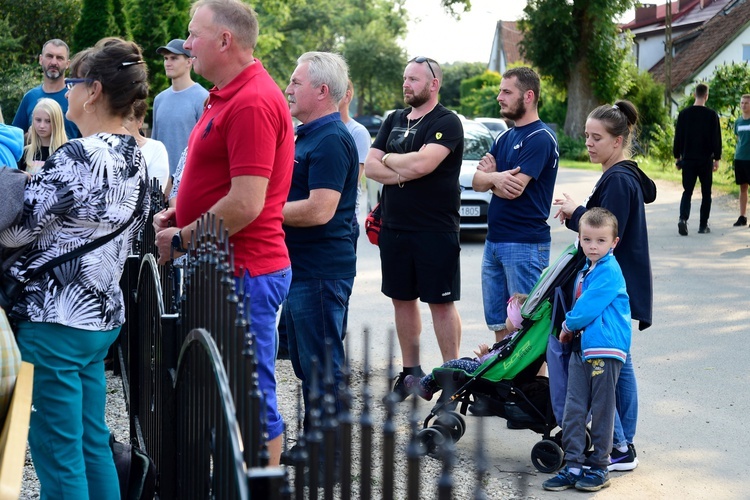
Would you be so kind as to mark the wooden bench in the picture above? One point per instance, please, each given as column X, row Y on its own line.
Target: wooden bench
column 14, row 434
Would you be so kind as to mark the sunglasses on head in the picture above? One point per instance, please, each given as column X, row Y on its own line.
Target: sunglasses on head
column 422, row 59
column 71, row 82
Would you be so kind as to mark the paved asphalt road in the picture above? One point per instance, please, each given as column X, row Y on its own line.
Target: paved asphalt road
column 691, row 365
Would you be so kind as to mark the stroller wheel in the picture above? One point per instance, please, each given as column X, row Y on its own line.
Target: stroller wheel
column 453, row 423
column 430, row 440
column 589, row 441
column 547, row 456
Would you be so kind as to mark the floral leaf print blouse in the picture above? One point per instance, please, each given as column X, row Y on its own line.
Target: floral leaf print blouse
column 86, row 190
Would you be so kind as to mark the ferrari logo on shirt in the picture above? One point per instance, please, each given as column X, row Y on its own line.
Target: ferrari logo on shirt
column 439, row 136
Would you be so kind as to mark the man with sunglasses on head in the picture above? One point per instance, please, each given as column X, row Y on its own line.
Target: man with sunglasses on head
column 417, row 157
column 54, row 60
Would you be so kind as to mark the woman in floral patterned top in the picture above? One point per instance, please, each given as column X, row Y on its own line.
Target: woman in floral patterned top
column 68, row 318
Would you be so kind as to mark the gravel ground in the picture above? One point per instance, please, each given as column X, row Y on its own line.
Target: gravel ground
column 463, row 473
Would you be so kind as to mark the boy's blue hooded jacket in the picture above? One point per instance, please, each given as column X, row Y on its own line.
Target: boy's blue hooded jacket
column 11, row 145
column 602, row 311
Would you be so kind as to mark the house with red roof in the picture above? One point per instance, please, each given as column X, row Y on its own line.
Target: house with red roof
column 505, row 46
column 705, row 35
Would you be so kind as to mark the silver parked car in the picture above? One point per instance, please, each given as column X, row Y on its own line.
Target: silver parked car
column 477, row 141
column 496, row 125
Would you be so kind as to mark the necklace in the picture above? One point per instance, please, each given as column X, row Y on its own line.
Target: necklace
column 409, row 127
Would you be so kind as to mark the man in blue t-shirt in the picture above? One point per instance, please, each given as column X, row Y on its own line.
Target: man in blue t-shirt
column 54, row 60
column 520, row 170
column 318, row 221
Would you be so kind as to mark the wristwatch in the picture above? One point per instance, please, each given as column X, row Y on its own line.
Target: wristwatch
column 177, row 242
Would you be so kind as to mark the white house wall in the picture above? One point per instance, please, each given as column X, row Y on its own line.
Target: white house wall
column 650, row 52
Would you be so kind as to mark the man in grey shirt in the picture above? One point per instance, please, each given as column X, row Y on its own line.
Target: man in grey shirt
column 177, row 109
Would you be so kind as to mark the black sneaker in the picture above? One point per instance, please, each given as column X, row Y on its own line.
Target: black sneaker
column 741, row 221
column 682, row 227
column 623, row 461
column 287, row 457
column 704, row 229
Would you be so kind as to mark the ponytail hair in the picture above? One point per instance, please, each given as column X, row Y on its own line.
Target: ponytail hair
column 619, row 120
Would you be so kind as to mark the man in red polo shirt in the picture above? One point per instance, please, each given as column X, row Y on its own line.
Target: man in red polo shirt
column 239, row 167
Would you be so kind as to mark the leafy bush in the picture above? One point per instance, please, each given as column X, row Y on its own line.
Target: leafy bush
column 478, row 95
column 653, row 116
column 660, row 146
column 572, row 149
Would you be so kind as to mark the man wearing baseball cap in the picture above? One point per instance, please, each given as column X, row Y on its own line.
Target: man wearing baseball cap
column 177, row 109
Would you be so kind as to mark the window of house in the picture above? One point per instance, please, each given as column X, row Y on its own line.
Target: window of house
column 746, row 52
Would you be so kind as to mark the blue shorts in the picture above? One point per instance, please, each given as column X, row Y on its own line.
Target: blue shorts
column 263, row 297
column 509, row 268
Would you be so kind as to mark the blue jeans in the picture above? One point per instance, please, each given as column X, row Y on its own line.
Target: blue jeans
column 68, row 436
column 315, row 311
column 263, row 297
column 509, row 268
column 626, row 417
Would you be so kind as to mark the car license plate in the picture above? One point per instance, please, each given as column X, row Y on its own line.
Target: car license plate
column 469, row 211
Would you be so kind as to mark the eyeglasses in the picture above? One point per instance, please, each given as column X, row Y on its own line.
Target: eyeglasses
column 422, row 59
column 71, row 82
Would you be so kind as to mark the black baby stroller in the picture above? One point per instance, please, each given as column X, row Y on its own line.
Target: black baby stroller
column 506, row 385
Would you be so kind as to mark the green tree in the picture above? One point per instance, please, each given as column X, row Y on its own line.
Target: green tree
column 453, row 75
column 36, row 21
column 96, row 22
column 376, row 65
column 653, row 116
column 149, row 30
column 579, row 46
column 726, row 86
column 120, row 14
column 178, row 19
column 363, row 31
column 478, row 95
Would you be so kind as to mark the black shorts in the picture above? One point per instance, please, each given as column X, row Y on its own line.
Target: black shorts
column 742, row 171
column 421, row 265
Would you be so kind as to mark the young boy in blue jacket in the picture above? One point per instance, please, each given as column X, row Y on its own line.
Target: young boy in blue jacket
column 598, row 325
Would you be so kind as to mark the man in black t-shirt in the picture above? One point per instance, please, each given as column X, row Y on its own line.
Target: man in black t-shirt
column 417, row 157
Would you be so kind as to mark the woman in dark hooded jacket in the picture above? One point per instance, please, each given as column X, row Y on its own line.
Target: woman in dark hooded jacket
column 622, row 189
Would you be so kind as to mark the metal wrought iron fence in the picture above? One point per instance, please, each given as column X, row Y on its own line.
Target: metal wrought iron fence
column 189, row 372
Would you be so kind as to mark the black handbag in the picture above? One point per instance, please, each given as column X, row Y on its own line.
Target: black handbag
column 11, row 287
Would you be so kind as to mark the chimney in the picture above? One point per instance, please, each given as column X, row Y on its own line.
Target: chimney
column 646, row 12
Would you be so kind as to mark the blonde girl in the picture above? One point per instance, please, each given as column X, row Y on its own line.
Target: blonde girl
column 46, row 134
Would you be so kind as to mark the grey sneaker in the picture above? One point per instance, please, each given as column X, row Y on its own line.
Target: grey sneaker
column 593, row 480
column 562, row 481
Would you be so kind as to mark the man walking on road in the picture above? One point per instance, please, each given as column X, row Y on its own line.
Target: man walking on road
column 697, row 149
column 742, row 157
column 520, row 170
column 417, row 157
